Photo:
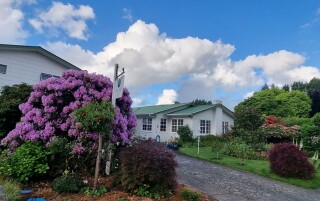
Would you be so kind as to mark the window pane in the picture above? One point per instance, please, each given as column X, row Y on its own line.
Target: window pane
column 180, row 122
column 174, row 122
column 3, row 69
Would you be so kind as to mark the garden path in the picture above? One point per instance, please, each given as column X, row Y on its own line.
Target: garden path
column 226, row 184
column 2, row 194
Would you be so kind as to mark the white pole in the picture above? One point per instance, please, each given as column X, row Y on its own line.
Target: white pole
column 198, row 144
column 113, row 101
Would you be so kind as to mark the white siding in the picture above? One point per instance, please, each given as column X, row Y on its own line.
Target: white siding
column 23, row 66
column 205, row 115
column 227, row 118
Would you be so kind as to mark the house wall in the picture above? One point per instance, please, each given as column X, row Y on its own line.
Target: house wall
column 23, row 66
column 205, row 115
column 227, row 118
column 215, row 115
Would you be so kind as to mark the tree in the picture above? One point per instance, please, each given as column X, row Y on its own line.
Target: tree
column 248, row 118
column 279, row 102
column 47, row 113
column 264, row 87
column 95, row 117
column 263, row 100
column 299, row 86
column 293, row 104
column 286, row 87
column 201, row 102
column 185, row 134
column 10, row 99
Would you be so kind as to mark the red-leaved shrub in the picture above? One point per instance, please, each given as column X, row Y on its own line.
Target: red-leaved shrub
column 150, row 164
column 287, row 160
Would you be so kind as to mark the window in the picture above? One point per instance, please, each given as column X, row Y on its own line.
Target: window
column 225, row 127
column 205, row 126
column 163, row 125
column 3, row 69
column 147, row 124
column 176, row 124
column 45, row 76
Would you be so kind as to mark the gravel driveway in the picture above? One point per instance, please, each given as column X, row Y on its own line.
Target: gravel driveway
column 226, row 184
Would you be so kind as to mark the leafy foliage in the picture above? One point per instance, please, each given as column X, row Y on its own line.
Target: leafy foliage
column 185, row 134
column 94, row 192
column 311, row 138
column 28, row 161
column 291, row 121
column 95, row 117
column 279, row 102
column 190, row 195
column 201, row 102
column 248, row 118
column 240, row 149
column 316, row 119
column 147, row 163
column 68, row 184
column 47, row 113
column 12, row 189
column 10, row 99
column 287, row 160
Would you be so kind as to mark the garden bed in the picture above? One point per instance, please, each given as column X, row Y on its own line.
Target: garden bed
column 44, row 190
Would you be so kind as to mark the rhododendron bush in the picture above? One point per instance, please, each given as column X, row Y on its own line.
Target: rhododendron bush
column 47, row 115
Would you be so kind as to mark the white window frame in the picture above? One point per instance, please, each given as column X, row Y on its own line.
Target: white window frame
column 147, row 124
column 176, row 124
column 163, row 125
column 205, row 126
column 225, row 127
column 3, row 69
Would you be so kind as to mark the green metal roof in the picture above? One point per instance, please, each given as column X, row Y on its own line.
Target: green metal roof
column 192, row 110
column 39, row 50
column 149, row 110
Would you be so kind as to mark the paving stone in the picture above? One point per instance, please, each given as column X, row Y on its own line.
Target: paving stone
column 226, row 184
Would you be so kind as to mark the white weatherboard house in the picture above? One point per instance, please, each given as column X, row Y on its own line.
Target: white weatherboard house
column 29, row 64
column 165, row 120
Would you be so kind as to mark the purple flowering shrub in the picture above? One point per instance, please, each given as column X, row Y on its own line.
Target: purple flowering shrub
column 47, row 115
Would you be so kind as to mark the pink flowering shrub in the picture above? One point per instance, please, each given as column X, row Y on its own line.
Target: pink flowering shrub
column 47, row 115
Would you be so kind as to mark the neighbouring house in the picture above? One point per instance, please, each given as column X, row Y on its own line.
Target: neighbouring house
column 165, row 120
column 29, row 64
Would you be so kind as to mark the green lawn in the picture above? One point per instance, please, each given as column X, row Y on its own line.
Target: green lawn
column 260, row 167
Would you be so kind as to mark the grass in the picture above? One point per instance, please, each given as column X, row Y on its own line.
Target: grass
column 11, row 188
column 260, row 167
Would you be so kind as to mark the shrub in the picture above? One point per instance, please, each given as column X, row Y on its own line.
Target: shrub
column 287, row 160
column 94, row 192
column 311, row 138
column 316, row 119
column 28, row 161
column 248, row 118
column 147, row 164
column 190, row 195
column 10, row 99
column 238, row 148
column 68, row 184
column 47, row 113
column 185, row 134
column 297, row 121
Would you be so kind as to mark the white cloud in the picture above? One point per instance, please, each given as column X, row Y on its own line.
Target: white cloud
column 11, row 23
column 168, row 96
column 65, row 17
column 200, row 65
column 127, row 14
column 248, row 95
column 137, row 101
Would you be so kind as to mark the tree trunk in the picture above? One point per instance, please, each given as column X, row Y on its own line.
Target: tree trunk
column 96, row 174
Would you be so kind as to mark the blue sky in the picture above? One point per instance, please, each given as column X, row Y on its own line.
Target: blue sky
column 175, row 50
